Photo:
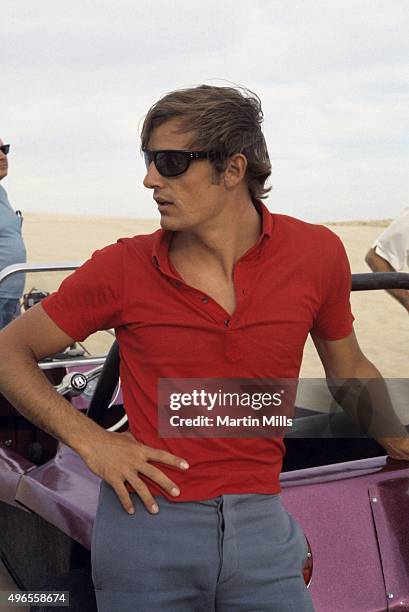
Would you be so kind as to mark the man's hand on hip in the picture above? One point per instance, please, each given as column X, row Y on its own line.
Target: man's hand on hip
column 118, row 458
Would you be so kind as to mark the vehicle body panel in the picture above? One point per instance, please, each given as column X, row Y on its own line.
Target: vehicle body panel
column 334, row 508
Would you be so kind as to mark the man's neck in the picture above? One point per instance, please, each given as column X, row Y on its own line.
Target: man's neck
column 223, row 241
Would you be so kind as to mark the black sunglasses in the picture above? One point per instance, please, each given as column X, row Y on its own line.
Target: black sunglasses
column 5, row 149
column 173, row 162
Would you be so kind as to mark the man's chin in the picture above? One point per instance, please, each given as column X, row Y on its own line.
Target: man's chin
column 170, row 223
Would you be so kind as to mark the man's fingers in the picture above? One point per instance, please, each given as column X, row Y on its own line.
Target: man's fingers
column 125, row 461
column 124, row 497
column 143, row 493
column 155, row 454
column 159, row 477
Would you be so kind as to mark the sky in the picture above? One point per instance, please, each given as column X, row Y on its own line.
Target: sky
column 333, row 77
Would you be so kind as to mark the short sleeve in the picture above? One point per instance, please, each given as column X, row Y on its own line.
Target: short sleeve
column 334, row 318
column 393, row 243
column 90, row 299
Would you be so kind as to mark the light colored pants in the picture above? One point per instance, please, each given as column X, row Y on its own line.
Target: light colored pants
column 239, row 553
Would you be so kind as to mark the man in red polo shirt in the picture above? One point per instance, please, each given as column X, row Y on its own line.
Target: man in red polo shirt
column 224, row 290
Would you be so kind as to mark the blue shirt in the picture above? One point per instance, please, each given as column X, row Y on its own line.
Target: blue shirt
column 12, row 249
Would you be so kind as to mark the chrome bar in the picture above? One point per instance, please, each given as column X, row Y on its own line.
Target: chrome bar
column 38, row 267
column 71, row 363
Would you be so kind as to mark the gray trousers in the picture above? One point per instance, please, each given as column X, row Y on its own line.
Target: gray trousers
column 239, row 553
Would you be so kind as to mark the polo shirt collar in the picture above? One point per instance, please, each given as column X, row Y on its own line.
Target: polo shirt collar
column 266, row 218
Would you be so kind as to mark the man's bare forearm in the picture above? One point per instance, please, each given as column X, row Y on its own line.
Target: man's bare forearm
column 365, row 398
column 379, row 264
column 402, row 295
column 28, row 390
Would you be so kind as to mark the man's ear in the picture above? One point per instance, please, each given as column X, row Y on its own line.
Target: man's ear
column 236, row 167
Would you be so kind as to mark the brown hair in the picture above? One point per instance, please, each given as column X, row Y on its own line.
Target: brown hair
column 225, row 121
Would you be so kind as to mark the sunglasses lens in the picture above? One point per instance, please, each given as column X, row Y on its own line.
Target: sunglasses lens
column 171, row 163
column 148, row 156
column 5, row 149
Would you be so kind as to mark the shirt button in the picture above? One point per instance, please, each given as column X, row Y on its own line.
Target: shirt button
column 205, row 299
column 227, row 321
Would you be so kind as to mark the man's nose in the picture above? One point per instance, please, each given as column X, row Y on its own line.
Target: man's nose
column 153, row 178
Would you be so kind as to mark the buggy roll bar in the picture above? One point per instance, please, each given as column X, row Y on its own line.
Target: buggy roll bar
column 51, row 267
column 380, row 280
column 365, row 281
column 38, row 267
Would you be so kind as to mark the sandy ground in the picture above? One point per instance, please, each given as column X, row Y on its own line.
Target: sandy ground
column 381, row 324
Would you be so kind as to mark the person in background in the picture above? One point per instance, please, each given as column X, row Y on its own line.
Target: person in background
column 12, row 249
column 390, row 253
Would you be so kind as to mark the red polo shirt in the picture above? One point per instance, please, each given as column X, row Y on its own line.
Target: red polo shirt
column 294, row 280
